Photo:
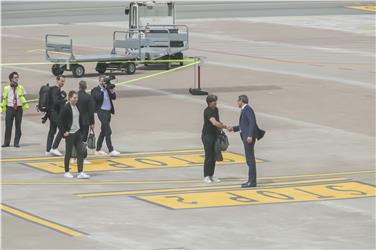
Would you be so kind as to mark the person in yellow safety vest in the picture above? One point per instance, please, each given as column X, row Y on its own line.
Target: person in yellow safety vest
column 13, row 104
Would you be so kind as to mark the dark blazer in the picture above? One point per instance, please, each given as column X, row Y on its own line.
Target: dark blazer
column 247, row 124
column 86, row 107
column 66, row 119
column 98, row 97
column 56, row 100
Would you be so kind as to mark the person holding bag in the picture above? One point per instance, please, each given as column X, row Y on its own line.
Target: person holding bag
column 69, row 124
column 210, row 132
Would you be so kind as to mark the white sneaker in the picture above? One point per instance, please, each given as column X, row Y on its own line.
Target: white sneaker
column 213, row 179
column 68, row 175
column 87, row 162
column 73, row 161
column 48, row 154
column 100, row 153
column 207, row 180
column 56, row 152
column 114, row 153
column 82, row 175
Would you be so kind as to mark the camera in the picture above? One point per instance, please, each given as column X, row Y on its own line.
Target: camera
column 107, row 81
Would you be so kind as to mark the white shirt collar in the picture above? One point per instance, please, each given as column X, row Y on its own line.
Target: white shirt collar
column 244, row 106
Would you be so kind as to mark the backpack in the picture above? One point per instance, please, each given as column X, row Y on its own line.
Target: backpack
column 44, row 98
column 222, row 143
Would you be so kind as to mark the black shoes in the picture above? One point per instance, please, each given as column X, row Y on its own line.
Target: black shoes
column 248, row 184
column 7, row 145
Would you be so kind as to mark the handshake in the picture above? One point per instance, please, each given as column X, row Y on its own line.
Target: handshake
column 229, row 128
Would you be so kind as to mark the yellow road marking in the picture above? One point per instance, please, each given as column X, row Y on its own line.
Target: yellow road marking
column 140, row 162
column 367, row 8
column 137, row 192
column 93, row 157
column 320, row 192
column 40, row 221
column 177, row 181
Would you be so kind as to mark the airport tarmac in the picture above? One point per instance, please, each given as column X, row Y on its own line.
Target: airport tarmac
column 311, row 81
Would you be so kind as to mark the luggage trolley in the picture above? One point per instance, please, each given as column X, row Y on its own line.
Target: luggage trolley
column 65, row 60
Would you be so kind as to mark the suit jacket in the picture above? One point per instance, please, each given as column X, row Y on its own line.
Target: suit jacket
column 98, row 97
column 66, row 119
column 86, row 107
column 247, row 124
column 56, row 100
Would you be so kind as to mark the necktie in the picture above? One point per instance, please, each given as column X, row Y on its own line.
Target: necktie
column 14, row 98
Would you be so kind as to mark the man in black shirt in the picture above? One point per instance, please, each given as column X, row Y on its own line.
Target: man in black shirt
column 57, row 102
column 209, row 136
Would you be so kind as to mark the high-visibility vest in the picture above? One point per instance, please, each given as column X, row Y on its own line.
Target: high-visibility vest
column 20, row 97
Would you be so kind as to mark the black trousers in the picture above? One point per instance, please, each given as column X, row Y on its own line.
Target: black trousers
column 209, row 147
column 105, row 119
column 10, row 115
column 53, row 117
column 84, row 132
column 249, row 149
column 74, row 140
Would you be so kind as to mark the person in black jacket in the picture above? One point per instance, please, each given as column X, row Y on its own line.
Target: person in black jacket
column 85, row 105
column 69, row 124
column 209, row 136
column 57, row 101
column 103, row 95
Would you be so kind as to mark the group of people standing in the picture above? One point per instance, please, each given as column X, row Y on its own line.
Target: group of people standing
column 71, row 117
column 249, row 132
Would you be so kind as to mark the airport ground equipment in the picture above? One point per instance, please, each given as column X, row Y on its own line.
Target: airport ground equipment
column 59, row 51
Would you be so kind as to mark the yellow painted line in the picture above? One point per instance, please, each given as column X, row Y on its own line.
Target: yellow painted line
column 176, row 181
column 138, row 192
column 371, row 8
column 139, row 162
column 52, row 52
column 93, row 157
column 40, row 221
column 241, row 197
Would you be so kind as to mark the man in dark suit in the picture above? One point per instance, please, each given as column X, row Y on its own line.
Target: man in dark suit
column 85, row 105
column 57, row 102
column 103, row 95
column 249, row 132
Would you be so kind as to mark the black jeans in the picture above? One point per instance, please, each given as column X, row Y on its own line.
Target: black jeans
column 105, row 119
column 249, row 149
column 209, row 147
column 74, row 140
column 53, row 117
column 10, row 115
column 84, row 132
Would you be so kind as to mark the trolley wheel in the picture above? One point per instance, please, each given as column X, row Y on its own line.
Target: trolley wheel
column 168, row 66
column 180, row 56
column 101, row 68
column 78, row 70
column 131, row 68
column 57, row 69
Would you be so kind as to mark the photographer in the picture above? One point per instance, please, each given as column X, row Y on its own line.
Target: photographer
column 103, row 95
column 57, row 102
